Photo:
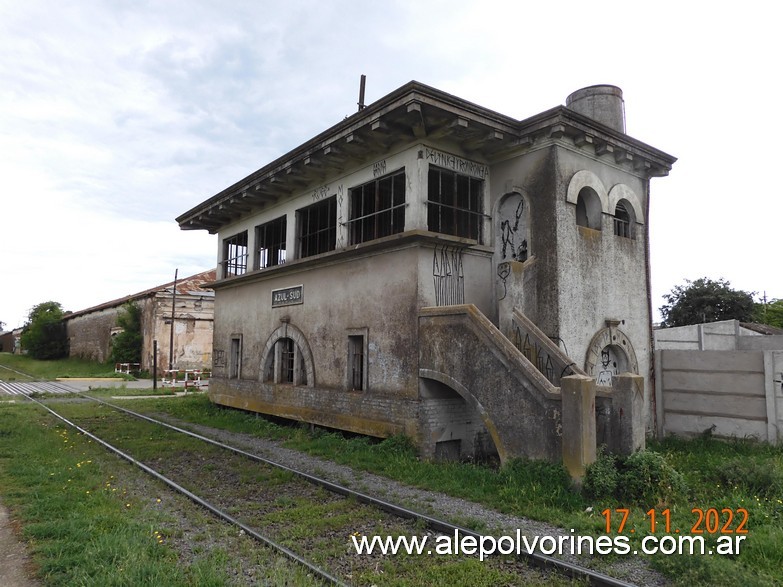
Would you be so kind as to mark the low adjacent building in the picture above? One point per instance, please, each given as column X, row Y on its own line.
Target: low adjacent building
column 90, row 331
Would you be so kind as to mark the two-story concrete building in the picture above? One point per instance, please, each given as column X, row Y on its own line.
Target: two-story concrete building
column 431, row 267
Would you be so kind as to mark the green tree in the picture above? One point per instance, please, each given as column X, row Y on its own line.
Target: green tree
column 44, row 335
column 770, row 313
column 126, row 346
column 706, row 300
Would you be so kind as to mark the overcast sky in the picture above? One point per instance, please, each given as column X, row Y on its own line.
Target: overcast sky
column 117, row 116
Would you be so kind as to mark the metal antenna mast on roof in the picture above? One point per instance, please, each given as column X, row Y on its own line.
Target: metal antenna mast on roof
column 361, row 92
column 173, row 305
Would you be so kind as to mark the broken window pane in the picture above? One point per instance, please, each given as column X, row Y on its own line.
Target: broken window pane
column 270, row 243
column 235, row 255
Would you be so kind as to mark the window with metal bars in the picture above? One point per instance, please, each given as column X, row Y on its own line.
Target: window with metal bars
column 622, row 220
column 317, row 227
column 356, row 361
column 285, row 363
column 235, row 255
column 377, row 208
column 454, row 204
column 235, row 365
column 270, row 243
column 287, row 357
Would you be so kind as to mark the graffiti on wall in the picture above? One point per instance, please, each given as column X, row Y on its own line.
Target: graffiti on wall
column 340, row 199
column 448, row 276
column 504, row 270
column 219, row 358
column 512, row 235
column 320, row 193
column 534, row 353
column 379, row 168
column 612, row 363
column 455, row 163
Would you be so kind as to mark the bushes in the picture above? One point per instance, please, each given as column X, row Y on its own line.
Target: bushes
column 126, row 346
column 643, row 478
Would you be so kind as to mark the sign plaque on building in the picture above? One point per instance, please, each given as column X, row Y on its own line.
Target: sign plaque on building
column 288, row 296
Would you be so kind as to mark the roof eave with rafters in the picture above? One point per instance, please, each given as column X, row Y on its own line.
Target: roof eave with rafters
column 411, row 113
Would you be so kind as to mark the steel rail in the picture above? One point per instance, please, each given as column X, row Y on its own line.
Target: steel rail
column 539, row 559
column 198, row 500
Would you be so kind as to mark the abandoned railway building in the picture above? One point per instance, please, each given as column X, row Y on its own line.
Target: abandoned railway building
column 433, row 268
column 91, row 330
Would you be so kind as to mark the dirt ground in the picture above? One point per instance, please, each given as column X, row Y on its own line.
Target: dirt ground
column 13, row 556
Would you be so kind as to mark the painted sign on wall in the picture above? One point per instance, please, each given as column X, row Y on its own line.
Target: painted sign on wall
column 288, row 296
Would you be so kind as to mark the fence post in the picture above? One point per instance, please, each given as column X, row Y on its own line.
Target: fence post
column 578, row 397
column 770, row 389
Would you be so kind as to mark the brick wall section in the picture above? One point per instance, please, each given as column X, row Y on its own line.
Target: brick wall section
column 89, row 335
column 355, row 411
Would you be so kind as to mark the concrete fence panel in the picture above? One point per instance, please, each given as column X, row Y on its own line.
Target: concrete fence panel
column 725, row 393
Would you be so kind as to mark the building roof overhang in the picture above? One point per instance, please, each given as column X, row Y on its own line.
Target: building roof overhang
column 416, row 112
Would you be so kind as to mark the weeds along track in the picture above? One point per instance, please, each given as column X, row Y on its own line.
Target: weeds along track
column 308, row 519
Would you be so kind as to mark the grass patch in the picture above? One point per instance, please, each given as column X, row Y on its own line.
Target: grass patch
column 71, row 367
column 91, row 519
column 675, row 474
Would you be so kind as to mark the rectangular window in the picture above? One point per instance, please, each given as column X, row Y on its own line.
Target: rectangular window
column 235, row 255
column 317, row 226
column 270, row 243
column 378, row 208
column 235, row 364
column 356, row 363
column 454, row 204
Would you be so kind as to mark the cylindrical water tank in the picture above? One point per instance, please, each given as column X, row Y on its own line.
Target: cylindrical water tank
column 603, row 103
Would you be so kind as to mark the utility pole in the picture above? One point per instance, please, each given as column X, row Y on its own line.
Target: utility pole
column 173, row 306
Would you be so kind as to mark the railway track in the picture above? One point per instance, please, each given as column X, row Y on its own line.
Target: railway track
column 257, row 495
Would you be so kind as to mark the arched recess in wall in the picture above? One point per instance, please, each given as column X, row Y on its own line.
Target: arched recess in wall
column 472, row 402
column 610, row 353
column 589, row 196
column 626, row 208
column 287, row 358
column 512, row 227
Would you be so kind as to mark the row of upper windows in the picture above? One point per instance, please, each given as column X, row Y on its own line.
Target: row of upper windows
column 376, row 209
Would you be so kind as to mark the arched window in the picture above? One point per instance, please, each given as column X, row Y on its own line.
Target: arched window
column 588, row 209
column 287, row 358
column 624, row 219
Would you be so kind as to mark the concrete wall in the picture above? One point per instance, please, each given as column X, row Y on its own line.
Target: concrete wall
column 461, row 349
column 729, row 393
column 714, row 336
column 760, row 343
